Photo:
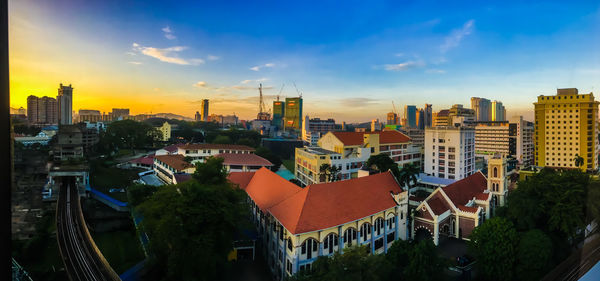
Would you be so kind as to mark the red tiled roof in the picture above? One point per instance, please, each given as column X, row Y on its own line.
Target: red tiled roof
column 467, row 209
column 244, row 159
column 267, row 188
column 438, row 204
column 357, row 138
column 464, row 190
column 311, row 208
column 240, row 178
column 146, row 160
column 482, row 196
column 172, row 148
column 216, row 146
column 179, row 178
column 174, row 161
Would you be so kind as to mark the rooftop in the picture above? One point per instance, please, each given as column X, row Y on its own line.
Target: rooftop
column 244, row 159
column 385, row 137
column 215, row 146
column 424, row 178
column 174, row 161
column 320, row 151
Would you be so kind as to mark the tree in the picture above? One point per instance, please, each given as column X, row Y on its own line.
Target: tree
column 593, row 202
column 128, row 134
column 578, row 160
column 494, row 245
column 410, row 173
column 222, row 140
column 324, row 171
column 269, row 155
column 382, row 162
column 138, row 193
column 534, row 255
column 211, row 171
column 191, row 226
column 188, row 159
column 424, row 262
column 334, row 172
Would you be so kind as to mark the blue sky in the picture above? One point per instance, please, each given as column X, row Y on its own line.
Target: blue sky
column 349, row 60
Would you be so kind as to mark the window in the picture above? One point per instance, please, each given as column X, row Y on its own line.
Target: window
column 365, row 231
column 289, row 267
column 330, row 244
column 310, row 248
column 378, row 243
column 495, row 172
column 289, row 244
column 349, row 237
column 379, row 225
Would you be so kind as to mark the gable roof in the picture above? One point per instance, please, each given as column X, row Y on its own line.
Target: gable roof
column 240, row 178
column 357, row 138
column 172, row 148
column 464, row 190
column 244, row 159
column 146, row 160
column 216, row 146
column 267, row 188
column 176, row 161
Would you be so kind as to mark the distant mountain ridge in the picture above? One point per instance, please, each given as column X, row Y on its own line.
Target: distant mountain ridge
column 173, row 116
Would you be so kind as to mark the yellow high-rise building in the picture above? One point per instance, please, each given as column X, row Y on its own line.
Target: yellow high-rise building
column 565, row 127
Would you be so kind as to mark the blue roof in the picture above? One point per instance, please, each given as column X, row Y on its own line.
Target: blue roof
column 112, row 200
column 286, row 174
column 424, row 178
column 51, row 127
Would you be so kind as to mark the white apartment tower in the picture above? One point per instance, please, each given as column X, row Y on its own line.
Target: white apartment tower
column 450, row 152
column 65, row 105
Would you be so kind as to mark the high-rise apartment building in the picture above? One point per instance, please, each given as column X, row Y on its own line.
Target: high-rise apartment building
column 482, row 108
column 566, row 127
column 278, row 114
column 455, row 115
column 293, row 113
column 204, row 110
column 427, row 116
column 511, row 138
column 313, row 129
column 450, row 152
column 120, row 113
column 42, row 111
column 65, row 105
column 392, row 119
column 498, row 111
column 410, row 113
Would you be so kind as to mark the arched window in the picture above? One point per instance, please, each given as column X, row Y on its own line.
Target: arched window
column 289, row 244
column 379, row 225
column 330, row 244
column 310, row 248
column 349, row 237
column 391, row 222
column 365, row 231
column 495, row 172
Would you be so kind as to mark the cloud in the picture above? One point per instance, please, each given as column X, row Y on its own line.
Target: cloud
column 168, row 33
column 403, row 66
column 435, row 71
column 257, row 80
column 457, row 35
column 200, row 84
column 258, row 67
column 358, row 102
column 135, row 62
column 211, row 57
column 167, row 54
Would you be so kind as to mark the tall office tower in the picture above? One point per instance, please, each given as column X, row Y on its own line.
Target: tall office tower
column 566, row 126
column 420, row 119
column 120, row 113
column 482, row 108
column 278, row 114
column 204, row 110
column 450, row 152
column 392, row 118
column 65, row 105
column 498, row 111
column 293, row 113
column 42, row 110
column 427, row 116
column 197, row 117
column 410, row 113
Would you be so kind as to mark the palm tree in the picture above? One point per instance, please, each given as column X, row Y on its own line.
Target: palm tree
column 324, row 170
column 333, row 173
column 410, row 172
column 578, row 160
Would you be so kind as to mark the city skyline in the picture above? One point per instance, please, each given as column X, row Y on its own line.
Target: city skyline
column 156, row 58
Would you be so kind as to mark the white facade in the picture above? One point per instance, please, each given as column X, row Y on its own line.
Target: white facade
column 199, row 153
column 525, row 146
column 450, row 152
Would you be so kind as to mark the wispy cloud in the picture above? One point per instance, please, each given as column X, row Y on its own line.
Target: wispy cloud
column 258, row 67
column 435, row 71
column 167, row 54
column 200, row 84
column 403, row 66
column 168, row 33
column 457, row 35
column 358, row 102
column 211, row 57
column 257, row 80
column 135, row 62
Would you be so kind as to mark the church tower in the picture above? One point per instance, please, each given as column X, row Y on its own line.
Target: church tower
column 496, row 180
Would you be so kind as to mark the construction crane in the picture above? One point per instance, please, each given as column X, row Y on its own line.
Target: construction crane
column 394, row 107
column 297, row 91
column 280, row 90
column 262, row 115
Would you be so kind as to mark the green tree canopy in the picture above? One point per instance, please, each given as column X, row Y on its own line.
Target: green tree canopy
column 220, row 139
column 494, row 245
column 382, row 162
column 424, row 262
column 211, row 171
column 534, row 255
column 269, row 155
column 128, row 134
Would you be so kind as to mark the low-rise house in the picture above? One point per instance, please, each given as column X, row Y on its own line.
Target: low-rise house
column 201, row 151
column 298, row 225
column 167, row 167
column 243, row 162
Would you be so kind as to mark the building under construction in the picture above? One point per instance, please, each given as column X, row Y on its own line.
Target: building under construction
column 293, row 114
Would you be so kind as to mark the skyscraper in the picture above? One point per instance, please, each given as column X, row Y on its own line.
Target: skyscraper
column 204, row 110
column 498, row 111
column 392, row 118
column 410, row 113
column 42, row 110
column 483, row 109
column 197, row 117
column 427, row 115
column 65, row 105
column 293, row 113
column 278, row 114
column 566, row 127
column 420, row 119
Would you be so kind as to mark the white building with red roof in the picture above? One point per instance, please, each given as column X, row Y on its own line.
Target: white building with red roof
column 297, row 225
column 456, row 209
column 234, row 162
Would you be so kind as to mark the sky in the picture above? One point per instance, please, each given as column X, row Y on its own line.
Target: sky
column 348, row 61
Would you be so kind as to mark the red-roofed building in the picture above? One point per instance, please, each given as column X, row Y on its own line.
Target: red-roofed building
column 300, row 224
column 456, row 209
column 167, row 166
column 349, row 151
column 144, row 162
column 234, row 162
column 201, row 151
